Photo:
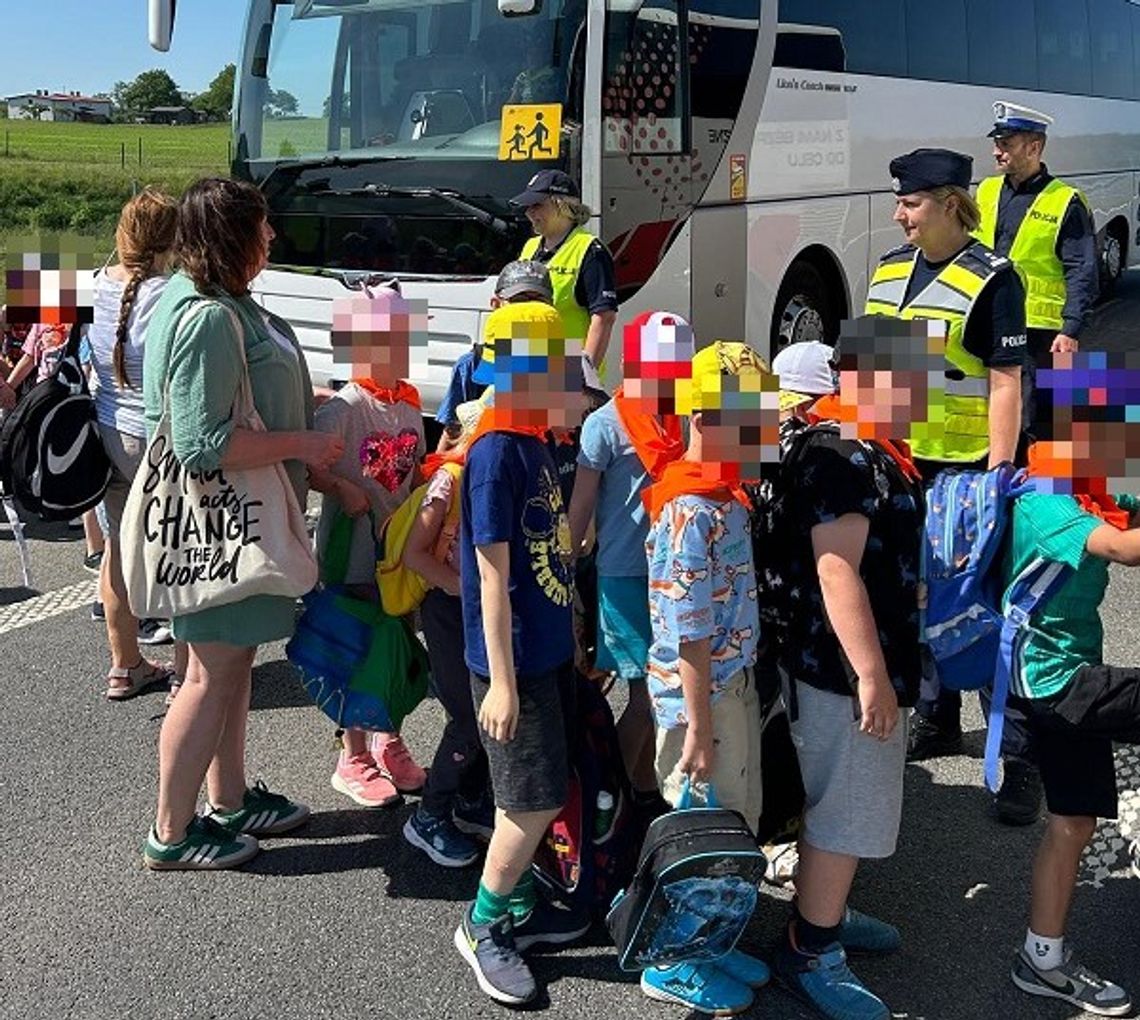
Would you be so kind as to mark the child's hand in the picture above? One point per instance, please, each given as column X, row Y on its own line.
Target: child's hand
column 697, row 755
column 352, row 498
column 499, row 713
column 879, row 707
column 320, row 450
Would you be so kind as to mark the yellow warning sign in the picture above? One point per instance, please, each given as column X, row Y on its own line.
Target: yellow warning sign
column 737, row 178
column 530, row 132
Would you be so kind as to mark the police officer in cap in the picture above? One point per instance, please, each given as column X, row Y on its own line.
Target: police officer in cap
column 1044, row 226
column 941, row 272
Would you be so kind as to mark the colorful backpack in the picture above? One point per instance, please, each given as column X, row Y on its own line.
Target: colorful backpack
column 971, row 619
column 589, row 851
column 402, row 589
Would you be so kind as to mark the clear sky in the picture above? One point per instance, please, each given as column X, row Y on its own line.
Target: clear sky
column 88, row 45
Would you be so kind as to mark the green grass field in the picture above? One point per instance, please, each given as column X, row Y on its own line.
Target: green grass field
column 76, row 177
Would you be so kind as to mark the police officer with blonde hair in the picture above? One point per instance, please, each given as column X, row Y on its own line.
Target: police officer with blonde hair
column 942, row 273
column 1045, row 228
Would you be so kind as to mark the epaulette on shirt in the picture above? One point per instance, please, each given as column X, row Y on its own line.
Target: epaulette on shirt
column 986, row 258
column 900, row 253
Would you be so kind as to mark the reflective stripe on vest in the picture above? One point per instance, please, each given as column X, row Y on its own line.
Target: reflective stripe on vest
column 1034, row 251
column 564, row 267
column 957, row 429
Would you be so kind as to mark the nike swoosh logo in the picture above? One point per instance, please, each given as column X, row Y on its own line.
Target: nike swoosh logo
column 57, row 465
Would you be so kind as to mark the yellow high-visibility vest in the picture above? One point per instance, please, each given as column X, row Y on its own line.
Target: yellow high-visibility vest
column 1034, row 250
column 957, row 427
column 564, row 267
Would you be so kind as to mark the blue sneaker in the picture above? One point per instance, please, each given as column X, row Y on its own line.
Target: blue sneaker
column 490, row 952
column 826, row 982
column 861, row 933
column 475, row 817
column 697, row 986
column 437, row 836
column 744, row 968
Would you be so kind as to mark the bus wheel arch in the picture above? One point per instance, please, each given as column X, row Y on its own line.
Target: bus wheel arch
column 811, row 301
column 1112, row 248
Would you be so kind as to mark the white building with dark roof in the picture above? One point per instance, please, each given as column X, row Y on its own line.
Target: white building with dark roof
column 65, row 106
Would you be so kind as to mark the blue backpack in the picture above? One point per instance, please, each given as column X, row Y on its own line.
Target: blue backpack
column 971, row 619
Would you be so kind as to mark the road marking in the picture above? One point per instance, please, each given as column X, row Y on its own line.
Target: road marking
column 44, row 607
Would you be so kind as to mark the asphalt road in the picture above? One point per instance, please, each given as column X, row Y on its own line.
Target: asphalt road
column 344, row 919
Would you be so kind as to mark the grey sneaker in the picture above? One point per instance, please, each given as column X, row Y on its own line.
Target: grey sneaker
column 490, row 951
column 1073, row 983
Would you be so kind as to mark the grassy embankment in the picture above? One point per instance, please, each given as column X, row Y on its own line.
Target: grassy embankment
column 71, row 177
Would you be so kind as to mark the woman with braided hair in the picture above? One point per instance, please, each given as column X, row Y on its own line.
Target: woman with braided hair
column 125, row 296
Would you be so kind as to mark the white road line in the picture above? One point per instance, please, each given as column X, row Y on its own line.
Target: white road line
column 44, row 607
column 1106, row 856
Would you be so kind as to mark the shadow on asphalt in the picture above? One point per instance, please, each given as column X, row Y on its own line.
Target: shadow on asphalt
column 10, row 596
column 277, row 684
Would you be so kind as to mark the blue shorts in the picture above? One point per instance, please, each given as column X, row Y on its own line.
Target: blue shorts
column 624, row 631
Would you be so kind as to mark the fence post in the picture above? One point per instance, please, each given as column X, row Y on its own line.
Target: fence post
column 7, row 138
column 123, row 154
column 140, row 150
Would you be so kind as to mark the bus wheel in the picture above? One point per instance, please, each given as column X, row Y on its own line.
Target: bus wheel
column 1111, row 262
column 804, row 309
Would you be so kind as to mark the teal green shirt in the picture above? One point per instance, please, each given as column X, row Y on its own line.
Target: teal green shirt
column 200, row 367
column 1065, row 633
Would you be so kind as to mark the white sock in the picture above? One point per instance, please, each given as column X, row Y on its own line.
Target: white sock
column 1046, row 954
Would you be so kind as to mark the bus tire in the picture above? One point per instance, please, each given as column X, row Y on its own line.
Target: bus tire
column 1111, row 261
column 804, row 309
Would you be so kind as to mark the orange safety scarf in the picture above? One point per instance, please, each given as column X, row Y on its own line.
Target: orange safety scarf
column 402, row 392
column 656, row 442
column 687, row 478
column 434, row 461
column 490, row 421
column 1098, row 504
column 828, row 409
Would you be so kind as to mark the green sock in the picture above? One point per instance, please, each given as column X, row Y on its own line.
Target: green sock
column 489, row 906
column 523, row 897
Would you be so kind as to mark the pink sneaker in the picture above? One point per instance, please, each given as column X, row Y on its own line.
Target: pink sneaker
column 393, row 756
column 360, row 779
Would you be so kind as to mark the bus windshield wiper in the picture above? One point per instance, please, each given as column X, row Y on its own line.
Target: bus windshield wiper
column 287, row 170
column 484, row 216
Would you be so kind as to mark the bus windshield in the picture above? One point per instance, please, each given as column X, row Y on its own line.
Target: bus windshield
column 385, row 115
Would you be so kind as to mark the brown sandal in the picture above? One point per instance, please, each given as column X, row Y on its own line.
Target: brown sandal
column 139, row 677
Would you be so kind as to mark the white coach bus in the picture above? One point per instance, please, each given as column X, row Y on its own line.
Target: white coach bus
column 734, row 151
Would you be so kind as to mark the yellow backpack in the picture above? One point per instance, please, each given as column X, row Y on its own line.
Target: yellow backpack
column 402, row 589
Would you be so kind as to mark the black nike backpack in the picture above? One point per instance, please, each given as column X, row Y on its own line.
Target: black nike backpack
column 51, row 457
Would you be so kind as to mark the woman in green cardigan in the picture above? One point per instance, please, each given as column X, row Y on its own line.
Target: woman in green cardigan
column 222, row 243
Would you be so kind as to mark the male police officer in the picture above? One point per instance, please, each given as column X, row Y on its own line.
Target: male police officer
column 1044, row 226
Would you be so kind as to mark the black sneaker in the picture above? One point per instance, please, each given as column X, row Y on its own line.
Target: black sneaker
column 929, row 740
column 98, row 612
column 550, row 925
column 93, row 561
column 1073, row 983
column 154, row 632
column 1018, row 802
column 475, row 817
column 490, row 951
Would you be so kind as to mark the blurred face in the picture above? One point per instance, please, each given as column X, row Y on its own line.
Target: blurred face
column 1017, row 155
column 376, row 336
column 742, row 434
column 655, row 356
column 48, row 280
column 545, row 219
column 538, row 379
column 881, row 403
column 926, row 222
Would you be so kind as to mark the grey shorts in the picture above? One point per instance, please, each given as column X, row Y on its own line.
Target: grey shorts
column 530, row 772
column 853, row 783
column 126, row 454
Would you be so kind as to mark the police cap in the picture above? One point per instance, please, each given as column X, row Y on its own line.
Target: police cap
column 1011, row 119
column 925, row 169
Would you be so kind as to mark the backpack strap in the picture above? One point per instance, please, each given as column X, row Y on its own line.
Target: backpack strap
column 1036, row 583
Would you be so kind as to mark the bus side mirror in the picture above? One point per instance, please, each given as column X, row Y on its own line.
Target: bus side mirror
column 160, row 23
column 519, row 8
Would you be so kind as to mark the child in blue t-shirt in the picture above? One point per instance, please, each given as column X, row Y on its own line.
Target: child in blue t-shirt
column 624, row 448
column 1076, row 705
column 516, row 585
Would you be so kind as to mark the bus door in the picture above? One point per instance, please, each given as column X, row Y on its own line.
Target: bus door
column 645, row 190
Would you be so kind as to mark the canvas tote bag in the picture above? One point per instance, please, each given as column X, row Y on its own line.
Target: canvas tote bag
column 194, row 540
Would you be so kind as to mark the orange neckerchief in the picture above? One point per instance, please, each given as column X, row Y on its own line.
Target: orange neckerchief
column 489, row 422
column 687, row 478
column 656, row 442
column 827, row 409
column 1098, row 504
column 434, row 461
column 402, row 392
